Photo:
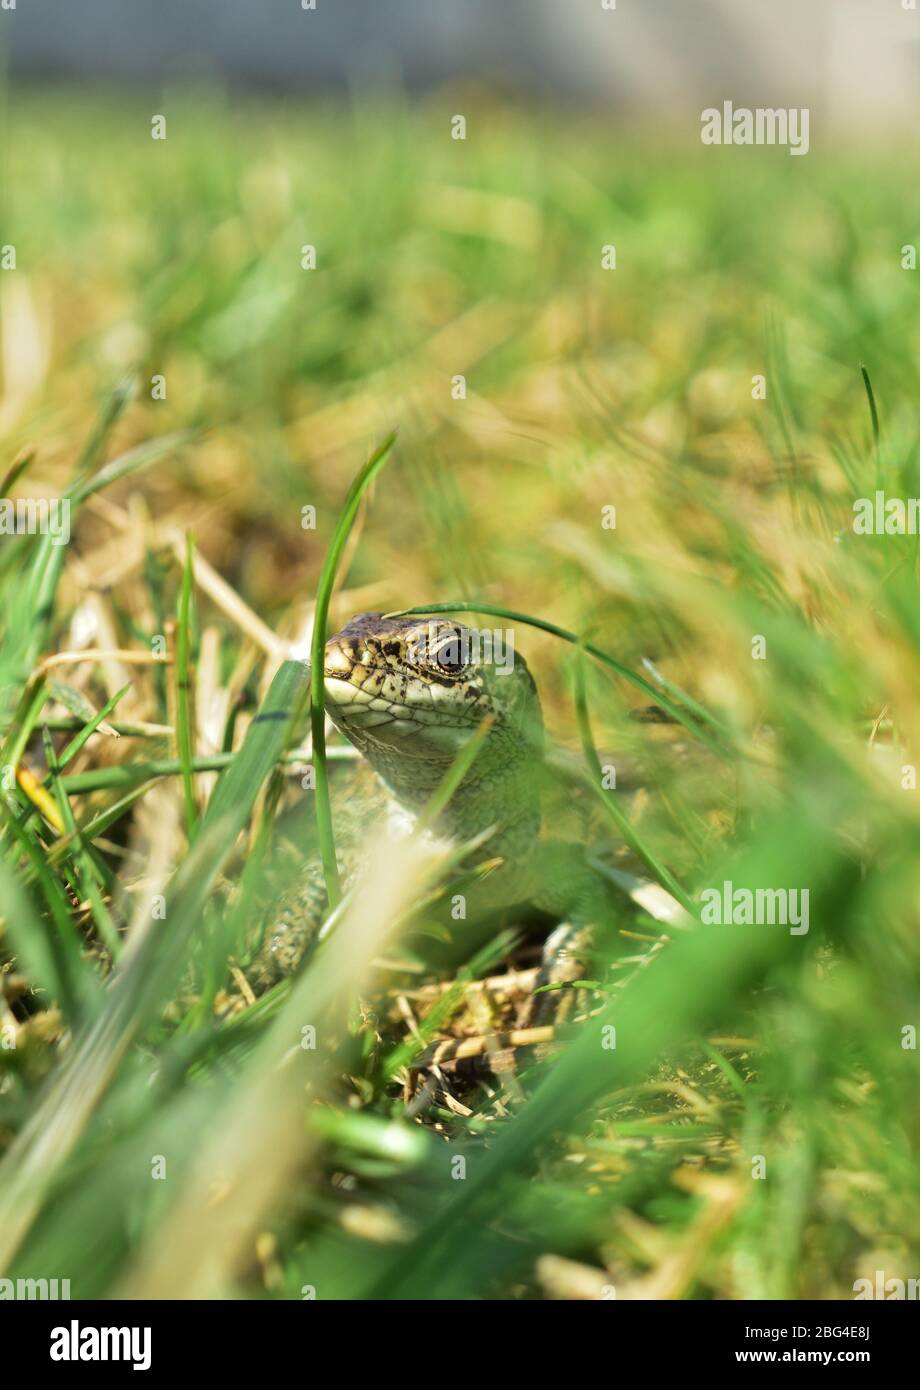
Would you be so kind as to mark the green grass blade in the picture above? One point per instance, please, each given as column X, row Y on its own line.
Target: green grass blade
column 71, row 749
column 512, row 615
column 317, row 692
column 608, row 800
column 89, row 876
column 184, row 734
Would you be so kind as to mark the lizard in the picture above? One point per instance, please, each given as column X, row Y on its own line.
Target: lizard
column 408, row 692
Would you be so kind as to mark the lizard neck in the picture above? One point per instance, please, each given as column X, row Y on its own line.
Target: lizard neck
column 499, row 794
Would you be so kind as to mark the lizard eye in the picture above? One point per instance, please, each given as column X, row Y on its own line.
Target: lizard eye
column 449, row 656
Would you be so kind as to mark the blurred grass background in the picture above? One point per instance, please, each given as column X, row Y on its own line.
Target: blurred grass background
column 586, row 388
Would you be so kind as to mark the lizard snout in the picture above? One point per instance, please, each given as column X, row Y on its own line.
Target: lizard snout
column 339, row 658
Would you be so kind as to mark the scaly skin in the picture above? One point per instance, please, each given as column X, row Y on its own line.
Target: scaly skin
column 408, row 693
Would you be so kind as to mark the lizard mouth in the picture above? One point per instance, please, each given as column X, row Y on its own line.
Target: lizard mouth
column 352, row 707
column 371, row 720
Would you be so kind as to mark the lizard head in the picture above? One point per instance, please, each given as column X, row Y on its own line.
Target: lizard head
column 409, row 692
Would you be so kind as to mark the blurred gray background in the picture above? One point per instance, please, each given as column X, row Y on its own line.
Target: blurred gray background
column 853, row 60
